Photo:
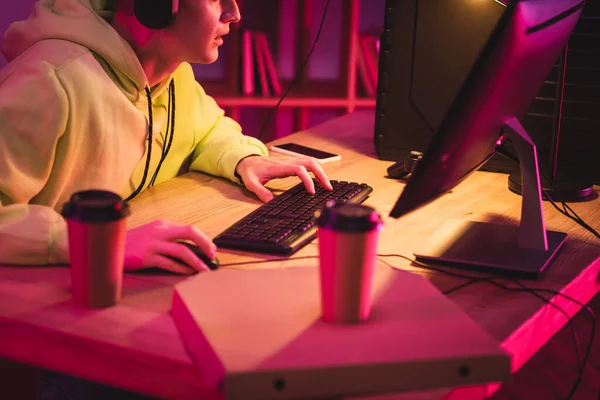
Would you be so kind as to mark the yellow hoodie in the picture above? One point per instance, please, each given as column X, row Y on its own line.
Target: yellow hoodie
column 74, row 116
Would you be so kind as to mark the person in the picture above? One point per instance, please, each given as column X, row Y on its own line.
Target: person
column 93, row 98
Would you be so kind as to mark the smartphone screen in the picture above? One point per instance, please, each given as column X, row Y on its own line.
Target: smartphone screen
column 298, row 149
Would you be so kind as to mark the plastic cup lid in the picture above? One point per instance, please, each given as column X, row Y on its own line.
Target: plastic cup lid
column 347, row 217
column 95, row 206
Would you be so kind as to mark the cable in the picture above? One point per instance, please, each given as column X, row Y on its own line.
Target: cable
column 592, row 333
column 473, row 280
column 576, row 340
column 574, row 217
column 566, row 211
column 59, row 388
column 430, row 267
column 532, row 291
column 465, row 285
column 267, row 261
column 298, row 75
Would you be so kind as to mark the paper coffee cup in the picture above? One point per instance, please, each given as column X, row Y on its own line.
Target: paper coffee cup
column 96, row 223
column 347, row 235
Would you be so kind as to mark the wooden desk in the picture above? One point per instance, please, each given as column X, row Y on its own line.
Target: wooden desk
column 137, row 347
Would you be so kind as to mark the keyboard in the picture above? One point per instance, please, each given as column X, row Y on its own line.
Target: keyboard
column 286, row 224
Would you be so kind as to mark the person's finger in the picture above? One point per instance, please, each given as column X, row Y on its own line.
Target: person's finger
column 302, row 173
column 184, row 254
column 167, row 264
column 194, row 235
column 313, row 166
column 254, row 185
column 294, row 168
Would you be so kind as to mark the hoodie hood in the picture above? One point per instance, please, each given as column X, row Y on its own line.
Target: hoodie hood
column 87, row 23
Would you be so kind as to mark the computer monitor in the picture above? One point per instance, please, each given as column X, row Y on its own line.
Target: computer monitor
column 520, row 52
column 433, row 47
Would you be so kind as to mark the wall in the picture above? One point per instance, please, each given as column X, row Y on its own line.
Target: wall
column 12, row 10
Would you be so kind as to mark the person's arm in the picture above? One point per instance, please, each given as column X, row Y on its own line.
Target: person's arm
column 221, row 143
column 33, row 110
column 33, row 119
column 225, row 151
column 32, row 235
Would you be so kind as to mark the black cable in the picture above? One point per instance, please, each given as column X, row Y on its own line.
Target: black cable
column 298, row 75
column 592, row 333
column 473, row 280
column 574, row 217
column 566, row 207
column 532, row 291
column 492, row 280
column 430, row 267
column 59, row 388
column 576, row 340
column 267, row 261
column 465, row 285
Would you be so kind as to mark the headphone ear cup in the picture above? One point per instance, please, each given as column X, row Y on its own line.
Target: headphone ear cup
column 154, row 14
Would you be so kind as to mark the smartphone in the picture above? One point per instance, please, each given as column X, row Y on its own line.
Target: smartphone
column 295, row 149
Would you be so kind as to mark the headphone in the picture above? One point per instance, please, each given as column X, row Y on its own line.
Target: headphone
column 155, row 14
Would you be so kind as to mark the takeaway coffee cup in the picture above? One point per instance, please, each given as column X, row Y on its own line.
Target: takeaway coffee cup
column 96, row 221
column 348, row 236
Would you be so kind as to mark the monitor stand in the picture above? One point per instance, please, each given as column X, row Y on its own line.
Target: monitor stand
column 525, row 250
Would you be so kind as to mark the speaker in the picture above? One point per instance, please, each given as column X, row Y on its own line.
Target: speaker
column 155, row 14
column 427, row 49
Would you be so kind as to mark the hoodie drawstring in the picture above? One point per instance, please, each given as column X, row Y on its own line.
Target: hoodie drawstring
column 168, row 141
column 171, row 122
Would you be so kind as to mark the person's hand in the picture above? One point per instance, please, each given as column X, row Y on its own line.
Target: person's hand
column 256, row 171
column 149, row 245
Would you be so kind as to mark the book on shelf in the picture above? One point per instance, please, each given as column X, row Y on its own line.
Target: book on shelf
column 247, row 64
column 363, row 73
column 269, row 63
column 258, row 67
column 367, row 58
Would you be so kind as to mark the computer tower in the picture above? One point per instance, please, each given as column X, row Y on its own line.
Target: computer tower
column 427, row 49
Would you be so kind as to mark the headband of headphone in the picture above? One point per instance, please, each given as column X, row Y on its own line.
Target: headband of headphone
column 155, row 14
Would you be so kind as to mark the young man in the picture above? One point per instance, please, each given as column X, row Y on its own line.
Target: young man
column 88, row 101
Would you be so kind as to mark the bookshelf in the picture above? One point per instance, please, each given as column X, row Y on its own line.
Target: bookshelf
column 333, row 82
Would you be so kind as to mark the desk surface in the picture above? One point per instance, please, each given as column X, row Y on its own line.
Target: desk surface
column 136, row 345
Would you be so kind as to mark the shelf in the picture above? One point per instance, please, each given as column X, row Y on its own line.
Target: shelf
column 311, row 89
column 292, row 102
column 328, row 86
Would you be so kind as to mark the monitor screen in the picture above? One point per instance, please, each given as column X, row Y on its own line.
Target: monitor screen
column 519, row 54
column 504, row 80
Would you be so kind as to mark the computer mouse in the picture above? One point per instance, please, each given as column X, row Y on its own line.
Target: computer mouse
column 212, row 264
